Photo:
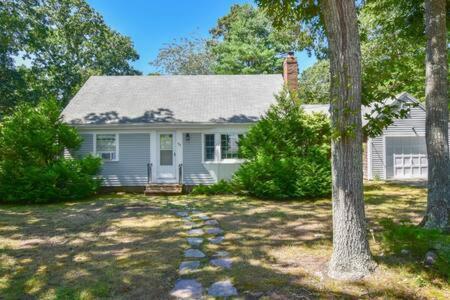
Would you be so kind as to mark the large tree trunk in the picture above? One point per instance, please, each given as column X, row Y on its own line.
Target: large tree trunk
column 351, row 258
column 436, row 97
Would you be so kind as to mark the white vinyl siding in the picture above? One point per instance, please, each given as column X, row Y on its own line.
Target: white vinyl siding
column 131, row 169
column 86, row 147
column 193, row 170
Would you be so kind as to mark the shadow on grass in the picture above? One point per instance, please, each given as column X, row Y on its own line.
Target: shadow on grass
column 130, row 247
column 88, row 250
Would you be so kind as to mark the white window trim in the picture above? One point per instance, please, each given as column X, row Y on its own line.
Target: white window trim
column 218, row 149
column 117, row 146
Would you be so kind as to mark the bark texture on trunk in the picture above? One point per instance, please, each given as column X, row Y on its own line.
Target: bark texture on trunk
column 351, row 258
column 436, row 97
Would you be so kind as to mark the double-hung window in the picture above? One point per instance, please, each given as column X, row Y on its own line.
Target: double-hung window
column 229, row 145
column 209, row 147
column 106, row 146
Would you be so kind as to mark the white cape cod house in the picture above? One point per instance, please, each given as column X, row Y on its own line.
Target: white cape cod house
column 184, row 129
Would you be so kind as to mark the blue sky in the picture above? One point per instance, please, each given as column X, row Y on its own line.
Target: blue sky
column 151, row 23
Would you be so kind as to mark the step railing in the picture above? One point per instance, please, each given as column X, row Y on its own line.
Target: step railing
column 149, row 172
column 180, row 173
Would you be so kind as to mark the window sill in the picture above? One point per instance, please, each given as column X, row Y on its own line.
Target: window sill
column 224, row 161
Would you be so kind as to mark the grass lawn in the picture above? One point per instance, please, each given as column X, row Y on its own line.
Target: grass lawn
column 130, row 246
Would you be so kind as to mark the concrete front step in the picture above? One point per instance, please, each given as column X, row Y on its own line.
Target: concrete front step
column 163, row 189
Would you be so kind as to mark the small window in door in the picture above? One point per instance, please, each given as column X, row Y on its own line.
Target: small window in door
column 166, row 150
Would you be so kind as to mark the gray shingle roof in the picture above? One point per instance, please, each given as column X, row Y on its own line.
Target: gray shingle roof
column 173, row 99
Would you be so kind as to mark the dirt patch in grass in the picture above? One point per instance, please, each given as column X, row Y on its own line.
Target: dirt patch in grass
column 130, row 246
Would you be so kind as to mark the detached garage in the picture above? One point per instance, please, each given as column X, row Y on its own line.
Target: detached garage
column 400, row 152
column 406, row 157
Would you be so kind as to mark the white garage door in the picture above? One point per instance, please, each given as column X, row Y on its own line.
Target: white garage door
column 410, row 166
column 406, row 157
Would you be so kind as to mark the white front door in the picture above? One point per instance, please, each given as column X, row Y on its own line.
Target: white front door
column 166, row 170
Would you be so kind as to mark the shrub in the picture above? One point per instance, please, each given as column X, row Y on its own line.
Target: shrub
column 418, row 241
column 221, row 187
column 32, row 165
column 288, row 154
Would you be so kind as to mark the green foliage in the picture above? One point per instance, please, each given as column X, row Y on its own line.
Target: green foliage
column 32, row 167
column 219, row 188
column 393, row 48
column 242, row 42
column 288, row 154
column 393, row 43
column 314, row 83
column 49, row 48
column 245, row 42
column 186, row 56
column 418, row 241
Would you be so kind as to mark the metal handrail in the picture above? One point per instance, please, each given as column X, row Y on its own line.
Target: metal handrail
column 149, row 172
column 180, row 173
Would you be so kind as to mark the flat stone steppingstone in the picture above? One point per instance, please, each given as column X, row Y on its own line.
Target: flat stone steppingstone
column 212, row 222
column 182, row 213
column 187, row 266
column 216, row 240
column 187, row 219
column 221, row 254
column 195, row 242
column 187, row 289
column 194, row 253
column 224, row 263
column 195, row 232
column 214, row 230
column 203, row 217
column 222, row 289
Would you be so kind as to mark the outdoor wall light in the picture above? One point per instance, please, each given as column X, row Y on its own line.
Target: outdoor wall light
column 188, row 137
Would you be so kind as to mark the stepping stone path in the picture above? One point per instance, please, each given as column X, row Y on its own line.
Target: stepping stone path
column 216, row 240
column 195, row 242
column 212, row 222
column 221, row 263
column 195, row 232
column 222, row 289
column 187, row 266
column 194, row 253
column 214, row 230
column 190, row 288
column 187, row 289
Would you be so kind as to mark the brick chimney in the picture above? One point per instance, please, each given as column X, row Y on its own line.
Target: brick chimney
column 290, row 72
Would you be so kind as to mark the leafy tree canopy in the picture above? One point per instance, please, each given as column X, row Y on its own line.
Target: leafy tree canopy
column 245, row 42
column 185, row 56
column 314, row 83
column 62, row 42
column 242, row 42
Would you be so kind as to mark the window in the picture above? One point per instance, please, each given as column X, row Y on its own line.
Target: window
column 209, row 147
column 229, row 145
column 166, row 150
column 106, row 146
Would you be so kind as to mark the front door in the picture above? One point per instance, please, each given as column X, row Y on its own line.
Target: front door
column 166, row 171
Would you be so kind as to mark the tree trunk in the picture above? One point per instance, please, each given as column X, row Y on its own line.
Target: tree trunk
column 351, row 258
column 436, row 97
